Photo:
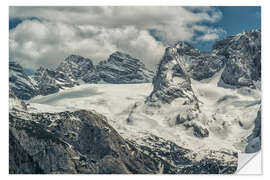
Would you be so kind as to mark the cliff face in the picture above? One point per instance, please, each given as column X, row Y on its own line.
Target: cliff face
column 71, row 142
column 20, row 83
column 171, row 80
column 243, row 52
column 254, row 140
column 121, row 68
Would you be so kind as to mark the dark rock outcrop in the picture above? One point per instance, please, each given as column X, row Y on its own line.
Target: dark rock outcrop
column 171, row 80
column 50, row 81
column 239, row 55
column 20, row 83
column 72, row 142
column 243, row 53
column 200, row 65
column 120, row 68
column 254, row 140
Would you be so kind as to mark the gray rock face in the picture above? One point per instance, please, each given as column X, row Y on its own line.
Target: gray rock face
column 254, row 140
column 243, row 52
column 200, row 65
column 20, row 83
column 80, row 68
column 72, row 142
column 20, row 162
column 179, row 160
column 171, row 80
column 239, row 55
column 121, row 68
column 50, row 81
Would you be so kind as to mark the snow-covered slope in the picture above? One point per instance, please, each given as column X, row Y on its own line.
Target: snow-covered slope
column 201, row 109
column 120, row 68
column 228, row 113
column 116, row 101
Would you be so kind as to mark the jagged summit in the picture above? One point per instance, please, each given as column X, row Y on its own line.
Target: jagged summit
column 121, row 68
column 119, row 56
column 243, row 54
column 171, row 80
column 239, row 55
column 77, row 66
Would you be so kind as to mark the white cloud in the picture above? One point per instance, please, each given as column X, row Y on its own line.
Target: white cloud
column 208, row 37
column 96, row 32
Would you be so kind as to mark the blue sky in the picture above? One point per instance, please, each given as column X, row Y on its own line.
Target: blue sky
column 44, row 36
column 234, row 20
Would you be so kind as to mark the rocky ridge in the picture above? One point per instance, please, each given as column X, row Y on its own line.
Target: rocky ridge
column 20, row 83
column 120, row 68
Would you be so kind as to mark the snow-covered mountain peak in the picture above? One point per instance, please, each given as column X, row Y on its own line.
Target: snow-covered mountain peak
column 121, row 68
column 171, row 80
column 120, row 55
column 20, row 83
column 77, row 59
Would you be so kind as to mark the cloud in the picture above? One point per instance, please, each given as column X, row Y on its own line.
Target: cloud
column 208, row 37
column 96, row 32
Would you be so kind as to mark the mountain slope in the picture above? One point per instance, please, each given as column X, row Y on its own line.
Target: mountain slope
column 72, row 142
column 243, row 52
column 120, row 68
column 239, row 56
column 51, row 81
column 20, row 83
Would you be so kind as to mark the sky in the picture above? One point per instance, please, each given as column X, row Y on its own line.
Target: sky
column 45, row 36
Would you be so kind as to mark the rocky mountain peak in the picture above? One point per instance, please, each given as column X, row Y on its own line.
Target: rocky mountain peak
column 243, row 54
column 121, row 68
column 77, row 59
column 120, row 57
column 171, row 80
column 20, row 83
column 76, row 65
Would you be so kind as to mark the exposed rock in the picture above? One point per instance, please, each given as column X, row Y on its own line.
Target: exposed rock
column 80, row 68
column 121, row 68
column 243, row 53
column 180, row 160
column 20, row 83
column 15, row 103
column 200, row 65
column 254, row 140
column 210, row 166
column 76, row 65
column 20, row 162
column 239, row 55
column 200, row 131
column 73, row 142
column 171, row 80
column 50, row 81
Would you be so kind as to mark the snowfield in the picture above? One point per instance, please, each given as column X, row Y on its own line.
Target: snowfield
column 228, row 113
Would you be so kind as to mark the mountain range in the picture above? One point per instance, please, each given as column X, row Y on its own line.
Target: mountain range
column 120, row 68
column 200, row 110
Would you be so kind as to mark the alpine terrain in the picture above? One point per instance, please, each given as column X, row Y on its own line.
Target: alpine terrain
column 191, row 116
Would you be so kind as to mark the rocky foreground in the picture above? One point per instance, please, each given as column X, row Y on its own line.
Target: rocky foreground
column 82, row 142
